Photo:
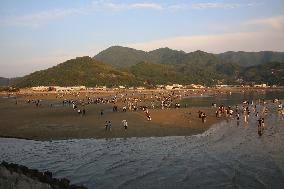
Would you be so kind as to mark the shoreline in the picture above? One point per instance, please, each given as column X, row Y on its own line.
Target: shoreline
column 52, row 120
column 20, row 176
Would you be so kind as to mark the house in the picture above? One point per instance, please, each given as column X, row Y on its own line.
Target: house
column 197, row 86
column 160, row 86
column 140, row 88
column 260, row 86
column 101, row 88
column 174, row 86
column 40, row 88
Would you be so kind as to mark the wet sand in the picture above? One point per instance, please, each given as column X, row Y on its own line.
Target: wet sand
column 24, row 120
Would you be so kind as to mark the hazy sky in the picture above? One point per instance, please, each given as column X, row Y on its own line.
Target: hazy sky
column 37, row 34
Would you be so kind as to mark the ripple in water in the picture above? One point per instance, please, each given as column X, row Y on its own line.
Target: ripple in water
column 225, row 156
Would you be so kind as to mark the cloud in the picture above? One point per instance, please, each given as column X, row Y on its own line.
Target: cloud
column 244, row 41
column 254, row 35
column 276, row 22
column 36, row 18
column 216, row 5
column 102, row 5
column 146, row 6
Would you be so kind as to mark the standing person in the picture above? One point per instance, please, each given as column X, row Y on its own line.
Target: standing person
column 106, row 126
column 238, row 119
column 148, row 115
column 259, row 127
column 203, row 117
column 102, row 113
column 109, row 125
column 83, row 112
column 245, row 116
column 125, row 124
column 262, row 123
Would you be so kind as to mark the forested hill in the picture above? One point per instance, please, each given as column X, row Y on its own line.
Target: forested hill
column 122, row 57
column 79, row 71
column 248, row 59
column 125, row 66
column 4, row 81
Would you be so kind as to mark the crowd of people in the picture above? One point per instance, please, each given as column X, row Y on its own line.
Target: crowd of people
column 136, row 101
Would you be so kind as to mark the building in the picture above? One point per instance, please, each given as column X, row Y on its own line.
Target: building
column 40, row 88
column 174, row 86
column 260, row 86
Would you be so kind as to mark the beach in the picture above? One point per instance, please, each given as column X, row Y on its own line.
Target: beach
column 44, row 115
column 24, row 120
column 227, row 155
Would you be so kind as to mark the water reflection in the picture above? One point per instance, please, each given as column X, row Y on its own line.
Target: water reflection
column 229, row 99
column 225, row 156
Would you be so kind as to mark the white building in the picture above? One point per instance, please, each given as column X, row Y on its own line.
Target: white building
column 40, row 88
column 261, row 86
column 174, row 86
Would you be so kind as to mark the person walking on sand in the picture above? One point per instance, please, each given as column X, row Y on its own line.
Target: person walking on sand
column 125, row 124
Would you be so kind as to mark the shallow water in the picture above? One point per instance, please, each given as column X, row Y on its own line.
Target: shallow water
column 228, row 99
column 225, row 156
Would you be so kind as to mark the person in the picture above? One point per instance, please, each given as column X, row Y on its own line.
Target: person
column 199, row 113
column 106, row 125
column 203, row 117
column 280, row 106
column 102, row 112
column 83, row 112
column 109, row 125
column 148, row 115
column 259, row 127
column 238, row 119
column 125, row 124
column 262, row 123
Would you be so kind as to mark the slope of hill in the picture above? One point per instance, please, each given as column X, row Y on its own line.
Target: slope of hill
column 248, row 59
column 121, row 56
column 79, row 71
column 271, row 73
column 166, row 56
column 152, row 73
column 4, row 81
column 126, row 66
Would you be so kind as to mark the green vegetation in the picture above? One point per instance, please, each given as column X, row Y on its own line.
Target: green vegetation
column 247, row 59
column 271, row 73
column 126, row 66
column 79, row 71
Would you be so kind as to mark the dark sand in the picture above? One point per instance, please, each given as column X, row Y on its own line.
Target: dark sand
column 24, row 120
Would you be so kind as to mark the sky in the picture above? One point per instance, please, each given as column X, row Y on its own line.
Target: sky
column 36, row 35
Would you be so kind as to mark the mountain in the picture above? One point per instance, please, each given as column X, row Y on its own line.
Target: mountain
column 153, row 73
column 4, row 81
column 126, row 66
column 121, row 56
column 271, row 73
column 248, row 59
column 80, row 71
column 166, row 56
